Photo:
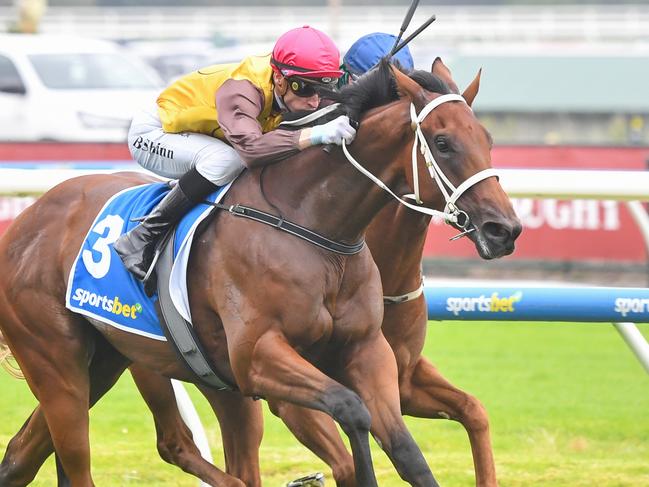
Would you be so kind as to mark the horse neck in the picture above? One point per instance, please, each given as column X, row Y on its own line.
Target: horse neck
column 324, row 192
column 396, row 239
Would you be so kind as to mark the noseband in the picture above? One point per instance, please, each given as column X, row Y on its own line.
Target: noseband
column 451, row 214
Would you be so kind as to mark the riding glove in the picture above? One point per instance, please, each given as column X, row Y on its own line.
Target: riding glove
column 333, row 132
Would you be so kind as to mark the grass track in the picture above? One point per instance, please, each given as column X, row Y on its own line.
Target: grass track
column 569, row 406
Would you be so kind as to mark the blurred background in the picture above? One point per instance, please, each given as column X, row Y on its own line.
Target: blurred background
column 564, row 85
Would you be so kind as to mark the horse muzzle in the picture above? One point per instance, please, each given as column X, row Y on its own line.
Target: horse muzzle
column 495, row 238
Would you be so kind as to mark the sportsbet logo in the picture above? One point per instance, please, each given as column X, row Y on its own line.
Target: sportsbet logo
column 482, row 303
column 624, row 306
column 114, row 305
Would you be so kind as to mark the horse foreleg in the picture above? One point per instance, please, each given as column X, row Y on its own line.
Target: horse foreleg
column 242, row 427
column 318, row 433
column 274, row 370
column 427, row 394
column 370, row 369
column 174, row 439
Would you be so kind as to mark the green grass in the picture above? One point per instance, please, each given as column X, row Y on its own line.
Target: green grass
column 568, row 403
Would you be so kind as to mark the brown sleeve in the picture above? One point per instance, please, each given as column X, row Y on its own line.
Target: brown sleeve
column 238, row 104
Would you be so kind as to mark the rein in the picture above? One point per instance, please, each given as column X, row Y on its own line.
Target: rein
column 451, row 214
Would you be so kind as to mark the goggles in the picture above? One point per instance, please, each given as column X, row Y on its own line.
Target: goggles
column 347, row 77
column 306, row 88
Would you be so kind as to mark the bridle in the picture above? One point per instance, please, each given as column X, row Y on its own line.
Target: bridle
column 451, row 214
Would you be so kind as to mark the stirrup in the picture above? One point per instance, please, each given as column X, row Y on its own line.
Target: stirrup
column 313, row 480
column 150, row 280
column 149, row 272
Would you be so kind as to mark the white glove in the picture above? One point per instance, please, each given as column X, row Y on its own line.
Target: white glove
column 333, row 132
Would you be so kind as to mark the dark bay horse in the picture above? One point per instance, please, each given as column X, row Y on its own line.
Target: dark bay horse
column 314, row 307
column 396, row 239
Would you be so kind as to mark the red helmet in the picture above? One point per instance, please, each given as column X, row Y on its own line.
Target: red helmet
column 307, row 52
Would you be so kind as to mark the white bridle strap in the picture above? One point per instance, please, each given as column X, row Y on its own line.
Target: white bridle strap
column 475, row 179
column 425, row 150
column 449, row 191
column 437, row 102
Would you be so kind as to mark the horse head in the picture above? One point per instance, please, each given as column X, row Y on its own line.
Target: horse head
column 451, row 168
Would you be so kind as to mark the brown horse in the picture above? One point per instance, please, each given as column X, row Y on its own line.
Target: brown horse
column 396, row 239
column 315, row 307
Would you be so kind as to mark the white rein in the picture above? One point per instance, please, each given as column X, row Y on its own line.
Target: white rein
column 451, row 213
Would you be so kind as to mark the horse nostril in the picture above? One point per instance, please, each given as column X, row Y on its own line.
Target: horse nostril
column 497, row 232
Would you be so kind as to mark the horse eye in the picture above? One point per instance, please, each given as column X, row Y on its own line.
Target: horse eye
column 441, row 144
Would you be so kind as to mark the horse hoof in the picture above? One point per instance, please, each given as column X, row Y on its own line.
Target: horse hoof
column 313, row 480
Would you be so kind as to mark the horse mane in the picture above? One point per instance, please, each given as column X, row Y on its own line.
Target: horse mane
column 375, row 88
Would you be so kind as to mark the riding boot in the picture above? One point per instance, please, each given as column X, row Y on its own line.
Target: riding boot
column 138, row 248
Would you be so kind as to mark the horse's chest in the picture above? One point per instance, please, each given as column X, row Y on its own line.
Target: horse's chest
column 311, row 333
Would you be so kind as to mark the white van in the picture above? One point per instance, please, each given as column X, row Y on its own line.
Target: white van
column 59, row 88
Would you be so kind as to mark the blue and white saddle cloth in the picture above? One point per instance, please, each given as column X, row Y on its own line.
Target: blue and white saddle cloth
column 100, row 287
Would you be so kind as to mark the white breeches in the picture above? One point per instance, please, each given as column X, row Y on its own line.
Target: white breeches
column 172, row 155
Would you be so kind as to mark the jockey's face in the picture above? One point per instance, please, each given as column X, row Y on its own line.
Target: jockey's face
column 292, row 101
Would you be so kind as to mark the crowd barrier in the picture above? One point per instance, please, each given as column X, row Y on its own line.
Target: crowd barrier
column 623, row 307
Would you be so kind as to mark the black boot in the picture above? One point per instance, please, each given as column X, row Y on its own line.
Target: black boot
column 137, row 248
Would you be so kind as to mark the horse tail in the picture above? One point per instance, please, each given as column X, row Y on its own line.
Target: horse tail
column 8, row 361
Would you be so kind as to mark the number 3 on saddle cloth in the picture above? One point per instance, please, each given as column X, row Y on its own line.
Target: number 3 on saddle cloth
column 100, row 287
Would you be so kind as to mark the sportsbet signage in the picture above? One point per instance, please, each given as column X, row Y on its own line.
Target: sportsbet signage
column 554, row 303
column 493, row 303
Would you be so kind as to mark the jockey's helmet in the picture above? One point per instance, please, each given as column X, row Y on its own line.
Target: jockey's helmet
column 306, row 52
column 367, row 51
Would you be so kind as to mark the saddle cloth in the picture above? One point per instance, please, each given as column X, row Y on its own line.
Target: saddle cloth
column 99, row 285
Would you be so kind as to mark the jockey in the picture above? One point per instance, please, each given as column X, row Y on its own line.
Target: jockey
column 211, row 124
column 366, row 53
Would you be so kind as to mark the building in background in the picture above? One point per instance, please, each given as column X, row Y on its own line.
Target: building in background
column 560, row 95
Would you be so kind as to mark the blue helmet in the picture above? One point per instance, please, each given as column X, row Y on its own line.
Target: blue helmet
column 367, row 51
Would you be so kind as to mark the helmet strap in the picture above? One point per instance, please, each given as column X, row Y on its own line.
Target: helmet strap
column 281, row 83
column 279, row 99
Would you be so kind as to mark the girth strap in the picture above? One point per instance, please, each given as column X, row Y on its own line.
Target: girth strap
column 179, row 332
column 404, row 298
column 292, row 228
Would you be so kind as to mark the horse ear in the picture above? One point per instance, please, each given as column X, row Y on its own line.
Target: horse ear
column 440, row 70
column 472, row 90
column 405, row 85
